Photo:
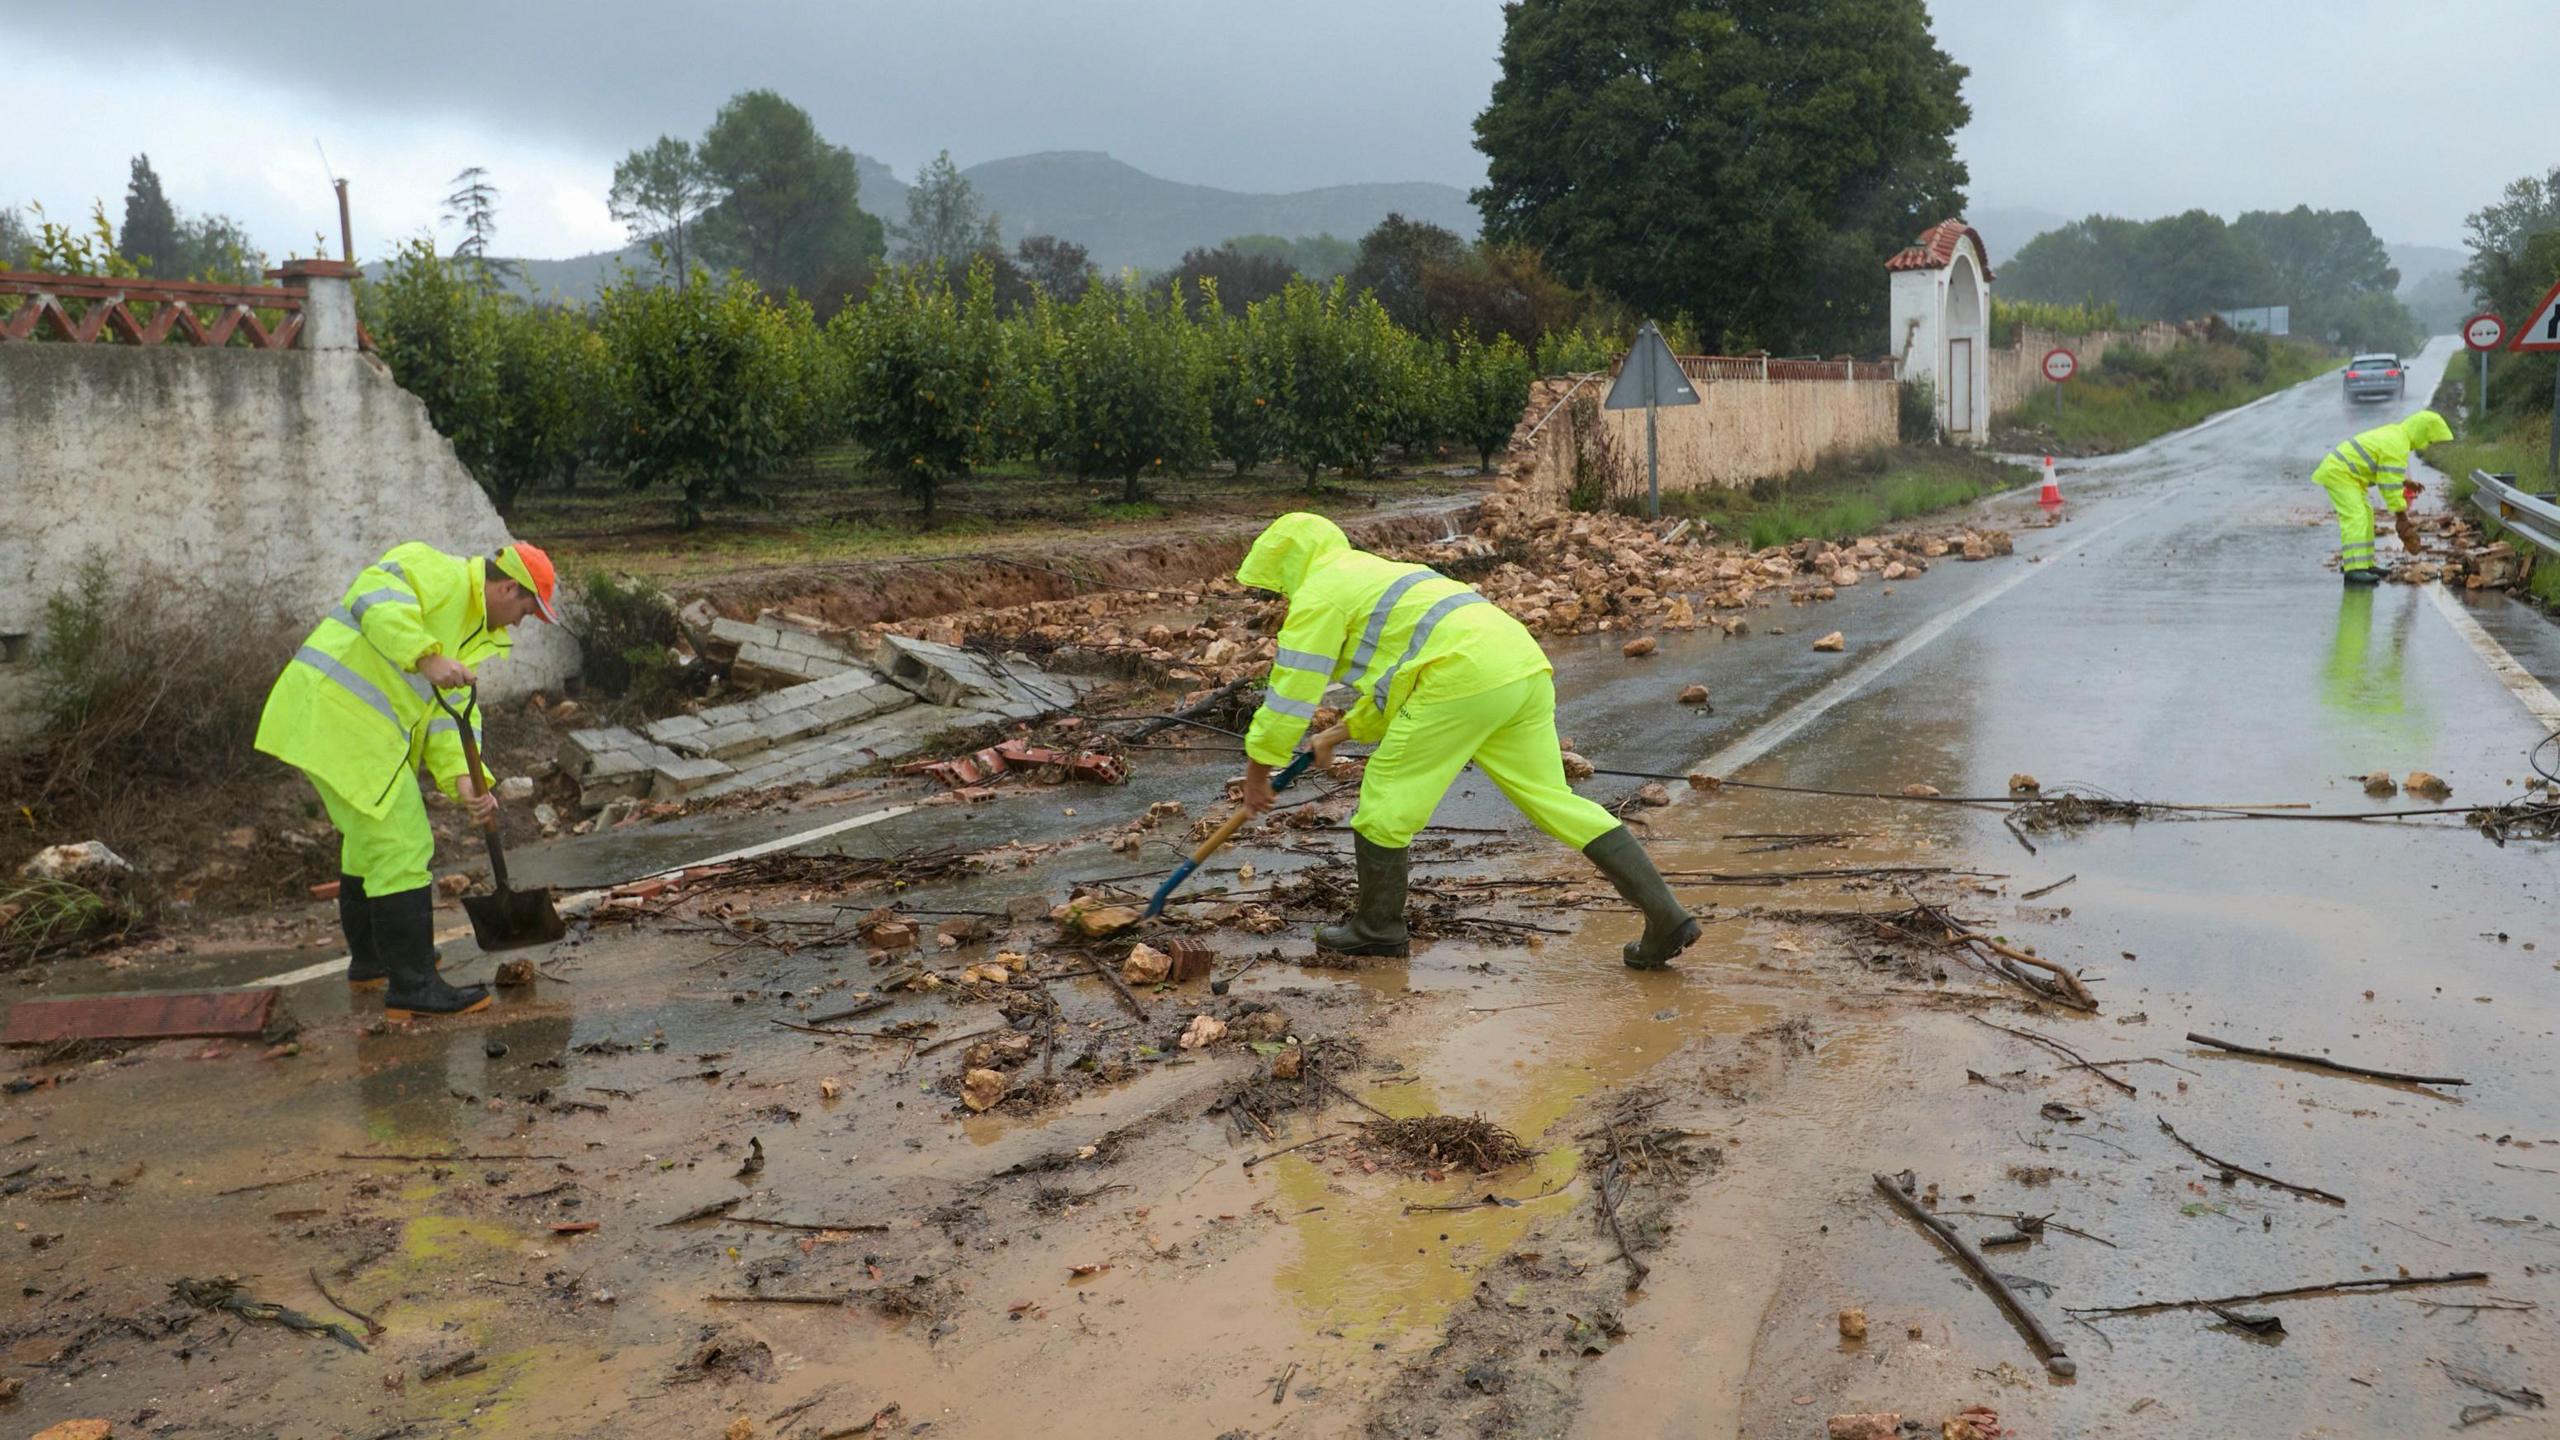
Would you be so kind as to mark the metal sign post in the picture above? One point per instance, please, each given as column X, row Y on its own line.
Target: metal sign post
column 2482, row 332
column 2540, row 334
column 2059, row 365
column 1650, row 376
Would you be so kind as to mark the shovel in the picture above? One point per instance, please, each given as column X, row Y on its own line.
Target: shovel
column 1227, row 831
column 509, row 919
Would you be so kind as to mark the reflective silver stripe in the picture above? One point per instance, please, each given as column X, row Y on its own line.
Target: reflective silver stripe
column 1421, row 636
column 392, row 569
column 444, row 726
column 2391, row 469
column 1307, row 660
column 1377, row 629
column 371, row 598
column 355, row 684
column 1283, row 705
column 2363, row 454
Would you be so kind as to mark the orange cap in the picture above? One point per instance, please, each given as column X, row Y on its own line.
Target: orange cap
column 529, row 567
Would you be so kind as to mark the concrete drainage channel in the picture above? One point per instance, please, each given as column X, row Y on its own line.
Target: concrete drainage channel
column 834, row 712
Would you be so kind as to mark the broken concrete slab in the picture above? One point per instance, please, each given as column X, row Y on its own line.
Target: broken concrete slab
column 726, row 732
column 242, row 1014
column 817, row 759
column 947, row 675
column 765, row 655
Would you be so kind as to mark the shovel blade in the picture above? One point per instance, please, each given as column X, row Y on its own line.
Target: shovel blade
column 513, row 919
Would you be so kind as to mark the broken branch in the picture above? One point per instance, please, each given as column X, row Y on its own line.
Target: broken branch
column 2258, row 1175
column 2038, row 1339
column 2076, row 1057
column 2403, row 1282
column 2318, row 1063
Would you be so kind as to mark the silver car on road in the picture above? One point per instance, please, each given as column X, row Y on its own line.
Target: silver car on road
column 2376, row 377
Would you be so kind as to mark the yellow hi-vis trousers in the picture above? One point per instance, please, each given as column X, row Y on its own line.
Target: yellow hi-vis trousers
column 2355, row 514
column 1508, row 731
column 390, row 853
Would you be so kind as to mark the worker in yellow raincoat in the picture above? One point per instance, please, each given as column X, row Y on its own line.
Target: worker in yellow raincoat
column 356, row 712
column 1442, row 677
column 2377, row 458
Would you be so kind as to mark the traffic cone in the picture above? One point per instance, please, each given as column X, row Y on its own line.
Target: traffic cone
column 2051, row 496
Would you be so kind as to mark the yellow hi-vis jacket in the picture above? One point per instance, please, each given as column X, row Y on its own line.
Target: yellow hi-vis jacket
column 1376, row 626
column 352, row 710
column 2380, row 456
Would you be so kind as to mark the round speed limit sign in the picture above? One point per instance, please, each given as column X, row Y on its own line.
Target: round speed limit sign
column 2483, row 332
column 2060, row 365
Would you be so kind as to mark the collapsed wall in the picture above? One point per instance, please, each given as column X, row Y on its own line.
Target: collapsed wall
column 268, row 475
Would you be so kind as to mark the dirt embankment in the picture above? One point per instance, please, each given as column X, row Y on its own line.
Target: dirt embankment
column 879, row 591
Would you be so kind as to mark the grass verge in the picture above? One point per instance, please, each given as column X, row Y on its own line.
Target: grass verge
column 2131, row 397
column 1849, row 495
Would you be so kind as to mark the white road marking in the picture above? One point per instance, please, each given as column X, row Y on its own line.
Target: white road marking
column 2535, row 696
column 1779, row 729
column 321, row 970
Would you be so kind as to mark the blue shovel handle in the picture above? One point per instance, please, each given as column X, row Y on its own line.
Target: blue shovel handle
column 1288, row 776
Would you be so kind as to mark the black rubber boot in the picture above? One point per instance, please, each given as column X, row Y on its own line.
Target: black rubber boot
column 1669, row 928
column 2368, row 575
column 404, row 936
column 1376, row 926
column 355, row 920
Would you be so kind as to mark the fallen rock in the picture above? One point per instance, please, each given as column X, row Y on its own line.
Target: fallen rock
column 78, row 1430
column 1884, row 1426
column 1203, row 1032
column 981, row 1089
column 1835, row 641
column 2380, row 785
column 84, row 863
column 1089, row 921
column 1654, row 793
column 961, row 930
column 1289, row 1064
column 2426, row 786
column 450, row 886
column 1694, row 695
column 1640, row 646
column 829, row 1087
column 2024, row 784
column 516, row 789
column 1920, row 792
column 513, row 974
column 1146, row 965
column 1577, row 768
column 1701, row 780
column 1853, row 1324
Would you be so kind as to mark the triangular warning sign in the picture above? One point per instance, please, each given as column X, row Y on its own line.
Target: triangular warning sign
column 2541, row 330
column 1651, row 375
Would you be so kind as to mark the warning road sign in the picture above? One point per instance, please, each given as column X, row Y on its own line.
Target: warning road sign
column 2541, row 330
column 2483, row 331
column 1651, row 375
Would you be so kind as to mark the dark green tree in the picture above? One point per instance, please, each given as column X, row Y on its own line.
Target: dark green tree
column 946, row 226
column 473, row 208
column 789, row 211
column 1750, row 162
column 1061, row 268
column 1393, row 260
column 659, row 192
column 1231, row 277
column 150, row 224
column 2500, row 234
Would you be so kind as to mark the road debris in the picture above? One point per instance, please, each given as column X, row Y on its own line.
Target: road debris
column 1437, row 1141
column 2399, row 1282
column 222, row 1292
column 2244, row 1171
column 2322, row 1063
column 2038, row 1340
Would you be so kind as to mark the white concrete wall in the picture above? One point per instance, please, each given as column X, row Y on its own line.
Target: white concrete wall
column 272, row 475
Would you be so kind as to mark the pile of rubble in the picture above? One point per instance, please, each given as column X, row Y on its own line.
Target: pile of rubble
column 2458, row 553
column 1575, row 574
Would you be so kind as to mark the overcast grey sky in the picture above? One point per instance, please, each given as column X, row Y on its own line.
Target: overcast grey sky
column 2078, row 105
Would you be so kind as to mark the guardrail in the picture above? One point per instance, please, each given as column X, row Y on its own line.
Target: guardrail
column 2535, row 517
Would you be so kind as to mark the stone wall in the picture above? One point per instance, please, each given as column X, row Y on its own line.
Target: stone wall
column 2017, row 370
column 271, row 476
column 1753, row 421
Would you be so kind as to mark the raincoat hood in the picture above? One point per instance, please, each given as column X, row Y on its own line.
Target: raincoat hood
column 2424, row 429
column 1292, row 547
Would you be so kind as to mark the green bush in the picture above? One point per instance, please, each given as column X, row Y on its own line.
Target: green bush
column 921, row 371
column 1130, row 399
column 1488, row 390
column 710, row 385
column 1238, row 359
column 626, row 632
column 1916, row 411
column 1577, row 351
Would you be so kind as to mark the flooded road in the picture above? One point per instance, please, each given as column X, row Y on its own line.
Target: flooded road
column 1110, row 1266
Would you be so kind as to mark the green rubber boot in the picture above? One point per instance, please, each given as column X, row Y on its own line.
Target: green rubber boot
column 1669, row 928
column 1376, row 926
